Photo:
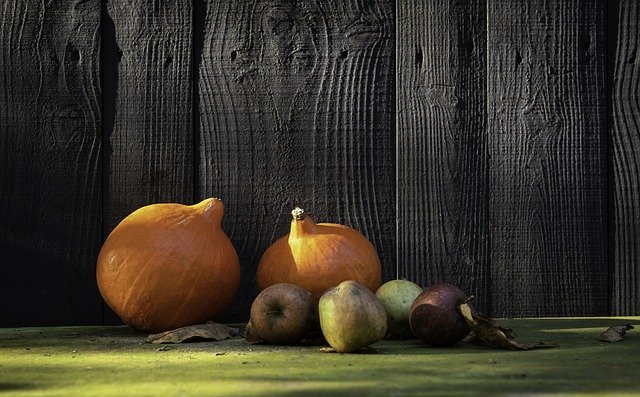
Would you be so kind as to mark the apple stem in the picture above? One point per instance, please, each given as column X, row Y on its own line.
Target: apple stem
column 273, row 312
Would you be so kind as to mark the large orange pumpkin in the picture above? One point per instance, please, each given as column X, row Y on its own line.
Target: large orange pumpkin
column 319, row 256
column 167, row 266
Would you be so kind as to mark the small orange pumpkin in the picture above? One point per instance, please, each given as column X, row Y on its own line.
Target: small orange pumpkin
column 319, row 256
column 167, row 266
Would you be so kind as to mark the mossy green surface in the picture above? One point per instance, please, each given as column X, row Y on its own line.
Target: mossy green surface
column 115, row 361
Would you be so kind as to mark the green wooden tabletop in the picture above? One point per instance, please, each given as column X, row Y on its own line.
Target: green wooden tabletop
column 116, row 361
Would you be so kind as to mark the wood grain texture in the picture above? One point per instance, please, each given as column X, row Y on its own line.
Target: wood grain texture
column 50, row 162
column 149, row 117
column 546, row 123
column 625, row 161
column 296, row 108
column 442, row 145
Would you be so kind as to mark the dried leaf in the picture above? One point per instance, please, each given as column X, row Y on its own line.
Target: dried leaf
column 615, row 333
column 472, row 338
column 486, row 331
column 209, row 330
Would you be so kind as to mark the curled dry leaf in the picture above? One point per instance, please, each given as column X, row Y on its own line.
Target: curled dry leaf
column 615, row 333
column 484, row 330
column 209, row 330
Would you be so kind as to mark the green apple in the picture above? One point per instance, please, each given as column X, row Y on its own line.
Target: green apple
column 397, row 296
column 351, row 317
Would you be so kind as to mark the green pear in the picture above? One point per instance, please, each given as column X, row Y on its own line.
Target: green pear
column 351, row 317
column 397, row 296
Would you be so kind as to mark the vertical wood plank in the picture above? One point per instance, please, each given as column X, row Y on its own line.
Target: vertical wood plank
column 149, row 117
column 625, row 161
column 442, row 145
column 296, row 108
column 50, row 162
column 546, row 123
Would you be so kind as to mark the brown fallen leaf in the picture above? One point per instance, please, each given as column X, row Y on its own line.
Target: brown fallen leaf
column 615, row 334
column 484, row 330
column 209, row 330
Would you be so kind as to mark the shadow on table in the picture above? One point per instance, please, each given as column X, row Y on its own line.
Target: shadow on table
column 14, row 386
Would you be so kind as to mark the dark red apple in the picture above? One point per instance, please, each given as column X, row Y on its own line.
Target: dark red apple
column 434, row 315
column 281, row 314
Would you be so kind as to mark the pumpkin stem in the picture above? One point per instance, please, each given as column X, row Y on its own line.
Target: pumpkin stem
column 297, row 213
column 212, row 210
column 301, row 223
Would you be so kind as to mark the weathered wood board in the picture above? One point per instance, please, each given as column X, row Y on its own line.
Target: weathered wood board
column 149, row 147
column 547, row 132
column 442, row 145
column 296, row 109
column 625, row 162
column 50, row 162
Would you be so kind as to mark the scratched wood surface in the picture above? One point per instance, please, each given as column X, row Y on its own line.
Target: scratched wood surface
column 296, row 109
column 149, row 146
column 50, row 162
column 442, row 145
column 625, row 162
column 547, row 132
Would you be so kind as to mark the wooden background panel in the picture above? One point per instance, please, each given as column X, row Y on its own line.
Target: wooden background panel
column 546, row 125
column 625, row 163
column 50, row 162
column 501, row 140
column 442, row 145
column 296, row 108
column 148, row 107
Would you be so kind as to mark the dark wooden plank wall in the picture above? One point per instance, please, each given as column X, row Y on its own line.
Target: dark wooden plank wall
column 496, row 176
column 296, row 108
column 50, row 162
column 625, row 160
column 547, row 130
column 442, row 145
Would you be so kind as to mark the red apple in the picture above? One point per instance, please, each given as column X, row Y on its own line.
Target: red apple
column 434, row 315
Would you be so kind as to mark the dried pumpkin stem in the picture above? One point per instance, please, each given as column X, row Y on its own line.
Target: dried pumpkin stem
column 297, row 213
